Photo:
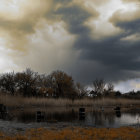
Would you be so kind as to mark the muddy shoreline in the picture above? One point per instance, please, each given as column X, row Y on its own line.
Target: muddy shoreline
column 13, row 128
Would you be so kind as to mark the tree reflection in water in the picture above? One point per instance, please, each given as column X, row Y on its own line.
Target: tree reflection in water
column 92, row 118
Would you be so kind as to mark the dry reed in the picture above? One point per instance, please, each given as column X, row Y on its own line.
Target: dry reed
column 17, row 101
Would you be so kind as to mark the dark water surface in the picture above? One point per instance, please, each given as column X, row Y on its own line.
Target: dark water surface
column 98, row 118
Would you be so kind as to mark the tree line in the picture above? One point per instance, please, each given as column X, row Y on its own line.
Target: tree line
column 29, row 83
column 58, row 84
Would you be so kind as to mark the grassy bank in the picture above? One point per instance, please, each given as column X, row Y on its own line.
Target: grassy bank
column 16, row 101
column 77, row 134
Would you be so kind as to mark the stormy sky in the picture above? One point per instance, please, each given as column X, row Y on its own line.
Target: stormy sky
column 88, row 39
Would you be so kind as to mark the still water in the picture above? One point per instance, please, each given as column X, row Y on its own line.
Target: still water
column 93, row 118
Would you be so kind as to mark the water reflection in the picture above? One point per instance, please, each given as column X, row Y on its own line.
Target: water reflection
column 118, row 114
column 100, row 118
column 3, row 112
column 82, row 114
column 114, row 119
column 91, row 118
column 66, row 116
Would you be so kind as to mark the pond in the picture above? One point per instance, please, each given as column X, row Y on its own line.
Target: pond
column 94, row 118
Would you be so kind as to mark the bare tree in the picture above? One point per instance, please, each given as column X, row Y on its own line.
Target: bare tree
column 81, row 90
column 7, row 83
column 26, row 82
column 99, row 86
column 62, row 84
column 110, row 87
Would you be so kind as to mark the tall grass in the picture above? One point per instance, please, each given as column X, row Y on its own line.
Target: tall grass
column 17, row 101
column 76, row 133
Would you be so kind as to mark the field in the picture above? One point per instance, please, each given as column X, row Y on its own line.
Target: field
column 76, row 133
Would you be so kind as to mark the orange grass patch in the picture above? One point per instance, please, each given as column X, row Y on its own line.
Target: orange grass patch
column 124, row 133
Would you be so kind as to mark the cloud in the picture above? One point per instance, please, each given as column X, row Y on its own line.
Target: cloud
column 121, row 16
column 96, row 2
column 47, row 51
column 127, row 86
column 88, row 39
column 131, row 38
column 75, row 17
column 110, row 57
column 137, row 1
column 42, row 30
column 17, row 26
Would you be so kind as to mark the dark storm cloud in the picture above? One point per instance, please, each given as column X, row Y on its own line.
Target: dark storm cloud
column 113, row 58
column 75, row 16
column 110, row 58
column 131, row 26
column 116, row 61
